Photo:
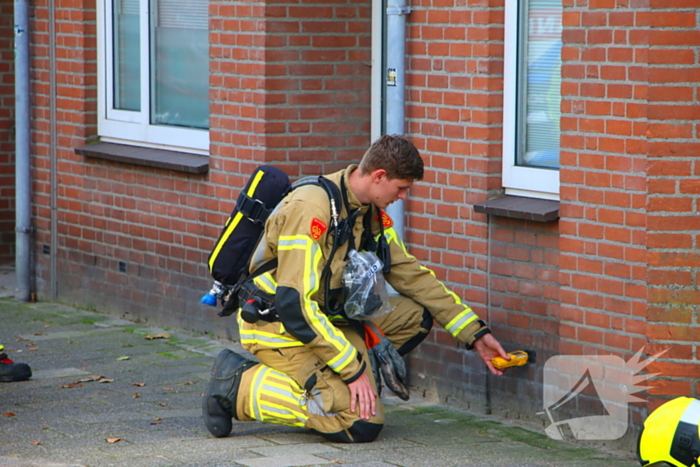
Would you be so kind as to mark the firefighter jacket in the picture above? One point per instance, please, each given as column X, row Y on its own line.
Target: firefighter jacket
column 298, row 234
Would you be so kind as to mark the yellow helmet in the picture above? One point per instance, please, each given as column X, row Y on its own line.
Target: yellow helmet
column 670, row 435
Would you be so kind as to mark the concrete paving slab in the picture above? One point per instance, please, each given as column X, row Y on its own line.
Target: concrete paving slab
column 285, row 461
column 58, row 373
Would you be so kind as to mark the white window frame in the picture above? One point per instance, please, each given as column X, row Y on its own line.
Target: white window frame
column 134, row 127
column 531, row 182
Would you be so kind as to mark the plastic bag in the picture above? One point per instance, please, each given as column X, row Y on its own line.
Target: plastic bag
column 364, row 286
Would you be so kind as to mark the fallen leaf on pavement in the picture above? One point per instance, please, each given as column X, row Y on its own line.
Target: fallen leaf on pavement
column 156, row 423
column 163, row 404
column 169, row 389
column 71, row 385
column 33, row 348
column 125, row 357
column 162, row 335
column 9, row 414
column 138, row 384
column 99, row 379
column 45, row 427
column 136, row 395
column 187, row 383
column 158, row 418
column 36, row 443
column 39, row 334
column 113, row 440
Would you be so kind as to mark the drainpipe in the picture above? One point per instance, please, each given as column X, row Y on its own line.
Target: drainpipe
column 396, row 87
column 23, row 207
column 53, row 144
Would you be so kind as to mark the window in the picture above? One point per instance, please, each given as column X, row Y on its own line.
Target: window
column 532, row 97
column 154, row 72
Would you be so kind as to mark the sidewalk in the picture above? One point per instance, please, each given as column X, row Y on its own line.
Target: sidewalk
column 145, row 409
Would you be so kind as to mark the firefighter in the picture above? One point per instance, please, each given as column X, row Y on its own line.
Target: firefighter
column 314, row 369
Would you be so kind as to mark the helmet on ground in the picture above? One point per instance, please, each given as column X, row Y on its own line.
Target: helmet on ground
column 670, row 435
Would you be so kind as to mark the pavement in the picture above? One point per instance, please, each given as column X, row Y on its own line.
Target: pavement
column 110, row 392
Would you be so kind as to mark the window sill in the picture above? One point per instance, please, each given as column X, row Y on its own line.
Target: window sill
column 518, row 207
column 149, row 157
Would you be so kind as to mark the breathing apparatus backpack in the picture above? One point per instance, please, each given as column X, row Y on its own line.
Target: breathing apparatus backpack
column 229, row 260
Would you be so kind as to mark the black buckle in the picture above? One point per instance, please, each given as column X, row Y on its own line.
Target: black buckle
column 253, row 209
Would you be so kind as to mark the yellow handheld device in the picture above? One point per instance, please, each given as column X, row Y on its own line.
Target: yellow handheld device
column 517, row 358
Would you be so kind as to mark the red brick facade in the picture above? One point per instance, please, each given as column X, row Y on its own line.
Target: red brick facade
column 290, row 85
column 7, row 134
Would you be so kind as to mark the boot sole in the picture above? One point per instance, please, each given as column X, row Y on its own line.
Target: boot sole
column 13, row 378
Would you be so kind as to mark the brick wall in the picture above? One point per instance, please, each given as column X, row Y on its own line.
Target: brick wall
column 673, row 184
column 289, row 85
column 7, row 133
column 133, row 241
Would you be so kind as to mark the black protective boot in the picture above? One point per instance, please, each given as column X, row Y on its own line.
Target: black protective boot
column 11, row 371
column 219, row 404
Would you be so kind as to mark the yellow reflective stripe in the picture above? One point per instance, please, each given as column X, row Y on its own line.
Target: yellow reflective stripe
column 317, row 320
column 455, row 326
column 281, row 392
column 255, row 385
column 266, row 283
column 344, row 358
column 265, row 387
column 463, row 319
column 232, row 225
column 265, row 339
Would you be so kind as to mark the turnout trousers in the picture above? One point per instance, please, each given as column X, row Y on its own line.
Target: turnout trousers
column 292, row 386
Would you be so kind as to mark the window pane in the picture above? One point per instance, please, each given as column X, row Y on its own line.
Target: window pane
column 541, row 92
column 180, row 63
column 127, row 56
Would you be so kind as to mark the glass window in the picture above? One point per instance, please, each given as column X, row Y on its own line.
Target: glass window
column 154, row 72
column 532, row 96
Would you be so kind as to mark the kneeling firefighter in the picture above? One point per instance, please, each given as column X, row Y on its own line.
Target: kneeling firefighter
column 316, row 343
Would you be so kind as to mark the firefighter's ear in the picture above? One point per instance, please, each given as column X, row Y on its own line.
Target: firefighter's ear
column 378, row 175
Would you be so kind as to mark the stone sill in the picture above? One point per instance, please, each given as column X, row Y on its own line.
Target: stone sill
column 149, row 157
column 519, row 207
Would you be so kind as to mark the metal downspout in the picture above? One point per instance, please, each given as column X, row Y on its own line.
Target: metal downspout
column 396, row 88
column 53, row 143
column 23, row 207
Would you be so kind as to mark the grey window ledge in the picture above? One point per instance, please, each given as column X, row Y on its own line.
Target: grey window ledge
column 519, row 207
column 159, row 158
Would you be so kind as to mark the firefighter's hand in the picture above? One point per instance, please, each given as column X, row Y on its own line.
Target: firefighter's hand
column 363, row 394
column 488, row 347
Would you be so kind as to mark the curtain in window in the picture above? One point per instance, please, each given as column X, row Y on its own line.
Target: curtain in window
column 541, row 86
column 126, row 55
column 180, row 63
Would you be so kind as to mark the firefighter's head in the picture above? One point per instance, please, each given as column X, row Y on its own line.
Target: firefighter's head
column 670, row 435
column 390, row 166
column 396, row 155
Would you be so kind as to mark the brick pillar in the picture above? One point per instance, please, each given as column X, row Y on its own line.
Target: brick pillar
column 674, row 194
column 603, row 259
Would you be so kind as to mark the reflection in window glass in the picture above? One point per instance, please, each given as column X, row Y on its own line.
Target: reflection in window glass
column 180, row 63
column 540, row 87
column 126, row 55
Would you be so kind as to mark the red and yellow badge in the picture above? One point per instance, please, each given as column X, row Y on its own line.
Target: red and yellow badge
column 386, row 220
column 318, row 227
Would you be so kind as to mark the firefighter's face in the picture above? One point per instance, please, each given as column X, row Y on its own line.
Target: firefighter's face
column 387, row 190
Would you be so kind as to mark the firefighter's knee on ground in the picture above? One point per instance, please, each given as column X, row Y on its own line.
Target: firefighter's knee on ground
column 361, row 431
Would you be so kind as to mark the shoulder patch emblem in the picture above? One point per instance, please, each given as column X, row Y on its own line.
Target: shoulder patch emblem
column 318, row 227
column 386, row 220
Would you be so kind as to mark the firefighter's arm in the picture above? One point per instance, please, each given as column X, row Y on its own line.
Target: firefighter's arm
column 413, row 280
column 299, row 229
